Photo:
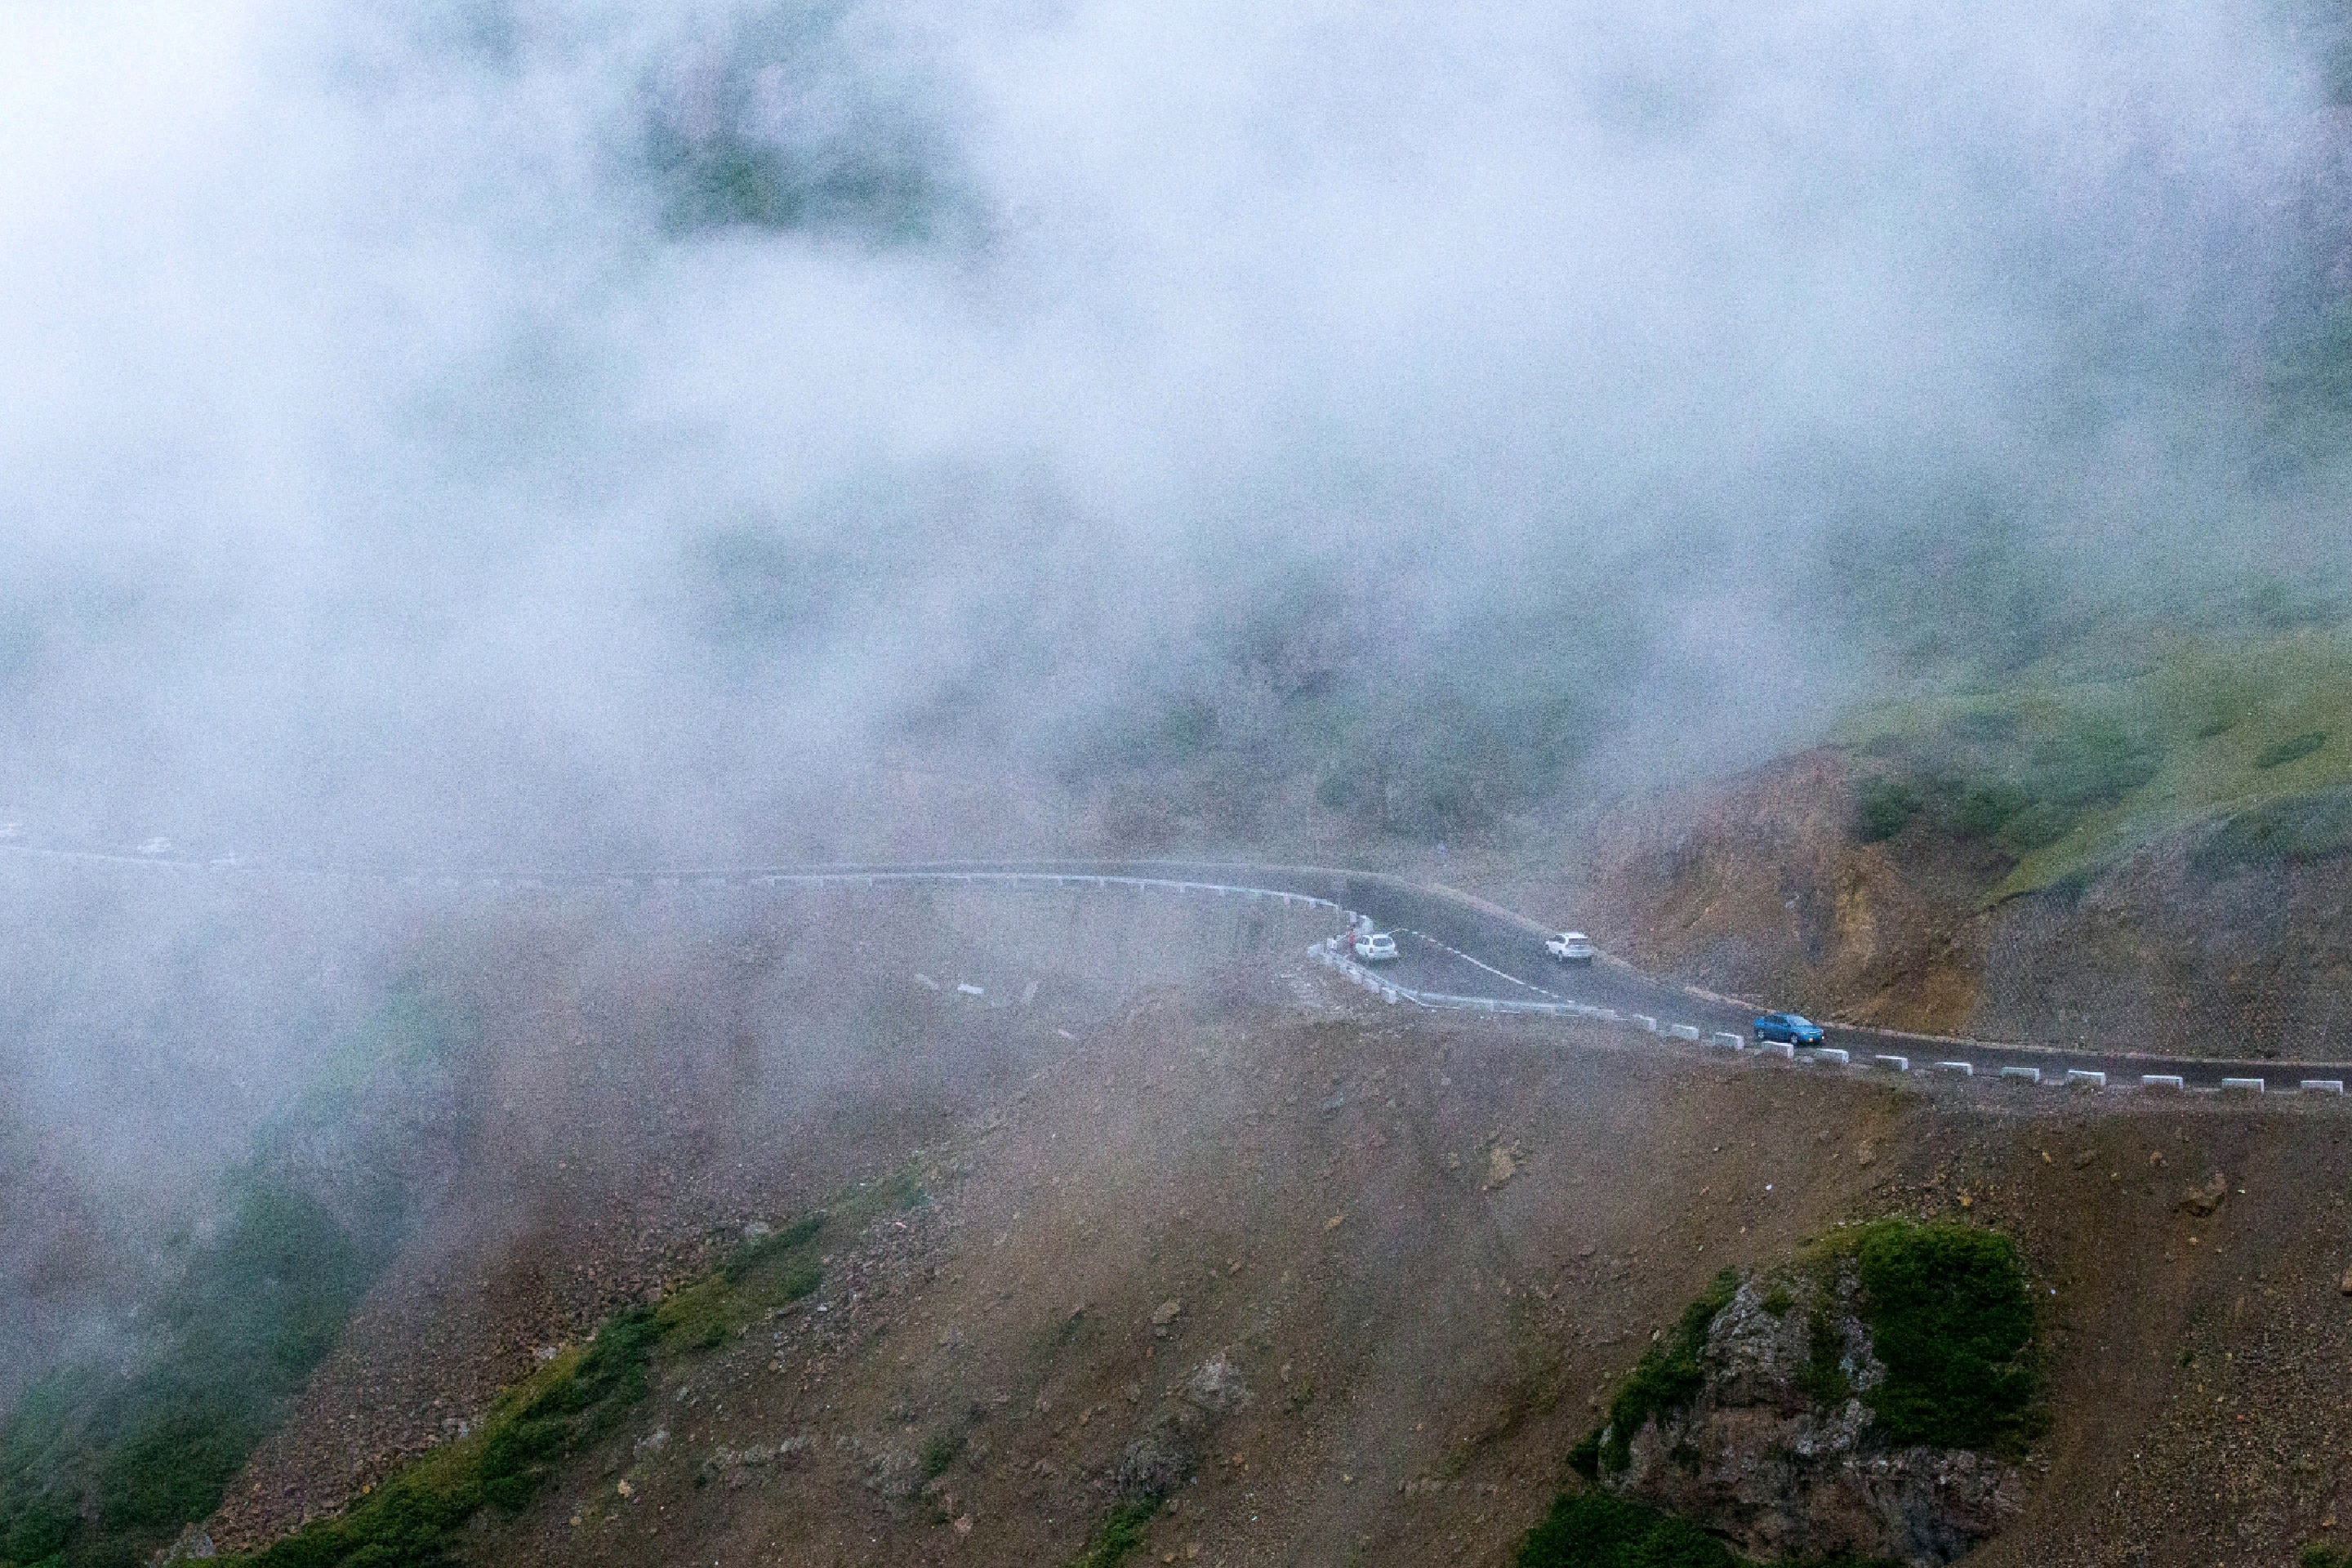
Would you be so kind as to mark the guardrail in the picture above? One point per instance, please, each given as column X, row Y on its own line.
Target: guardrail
column 2080, row 1079
column 1439, row 906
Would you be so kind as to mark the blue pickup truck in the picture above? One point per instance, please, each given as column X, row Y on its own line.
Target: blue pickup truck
column 1787, row 1029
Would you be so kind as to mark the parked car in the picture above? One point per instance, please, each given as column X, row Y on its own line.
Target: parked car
column 1571, row 947
column 1376, row 947
column 1788, row 1028
column 157, row 846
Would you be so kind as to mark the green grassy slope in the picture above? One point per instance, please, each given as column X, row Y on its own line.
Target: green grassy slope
column 2070, row 766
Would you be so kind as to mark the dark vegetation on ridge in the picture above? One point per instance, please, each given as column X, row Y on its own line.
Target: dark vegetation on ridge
column 1951, row 1315
column 1597, row 1529
column 104, row 1459
column 413, row 1519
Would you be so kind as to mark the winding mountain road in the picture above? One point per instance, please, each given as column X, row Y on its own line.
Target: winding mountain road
column 1454, row 951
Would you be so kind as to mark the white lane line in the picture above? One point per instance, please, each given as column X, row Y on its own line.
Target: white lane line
column 1489, row 968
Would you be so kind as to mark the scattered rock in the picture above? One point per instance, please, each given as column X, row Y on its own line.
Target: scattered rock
column 1500, row 1168
column 193, row 1545
column 1153, row 1466
column 1163, row 1318
column 2202, row 1201
column 1756, row 1459
column 893, row 1476
column 2345, row 1284
column 1216, row 1386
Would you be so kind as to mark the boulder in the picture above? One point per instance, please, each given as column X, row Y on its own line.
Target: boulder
column 1763, row 1460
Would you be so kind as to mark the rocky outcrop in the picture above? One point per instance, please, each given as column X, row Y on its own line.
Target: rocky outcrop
column 1780, row 1455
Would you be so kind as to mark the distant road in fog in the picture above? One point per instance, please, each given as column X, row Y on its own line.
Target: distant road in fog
column 1455, row 950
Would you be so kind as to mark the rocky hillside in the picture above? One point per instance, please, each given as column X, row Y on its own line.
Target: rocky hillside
column 1869, row 1402
column 2219, row 937
column 1265, row 1273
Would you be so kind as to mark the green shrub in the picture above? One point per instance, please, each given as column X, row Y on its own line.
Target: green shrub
column 1824, row 1379
column 1667, row 1377
column 1884, row 807
column 2291, row 749
column 939, row 1452
column 1982, row 810
column 1598, row 1530
column 1951, row 1318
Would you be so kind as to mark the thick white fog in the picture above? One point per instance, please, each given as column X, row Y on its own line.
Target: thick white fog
column 577, row 431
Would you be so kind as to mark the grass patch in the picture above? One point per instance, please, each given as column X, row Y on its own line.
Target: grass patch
column 1667, row 1377
column 1119, row 1536
column 2068, row 768
column 576, row 1400
column 1598, row 1530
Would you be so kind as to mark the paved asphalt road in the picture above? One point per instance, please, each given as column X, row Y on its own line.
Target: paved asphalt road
column 1449, row 943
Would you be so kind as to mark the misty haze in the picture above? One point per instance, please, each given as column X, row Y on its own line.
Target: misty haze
column 863, row 782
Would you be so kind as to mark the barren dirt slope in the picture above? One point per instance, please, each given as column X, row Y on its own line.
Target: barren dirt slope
column 1760, row 887
column 1364, row 1276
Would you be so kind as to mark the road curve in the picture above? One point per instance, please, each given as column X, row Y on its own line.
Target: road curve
column 1455, row 950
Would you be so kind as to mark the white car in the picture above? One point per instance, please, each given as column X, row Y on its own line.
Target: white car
column 1376, row 947
column 156, row 846
column 1571, row 947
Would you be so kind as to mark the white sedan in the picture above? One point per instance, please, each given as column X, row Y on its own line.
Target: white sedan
column 1376, row 947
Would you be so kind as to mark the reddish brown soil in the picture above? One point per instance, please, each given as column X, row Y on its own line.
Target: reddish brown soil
column 1757, row 886
column 1424, row 1328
